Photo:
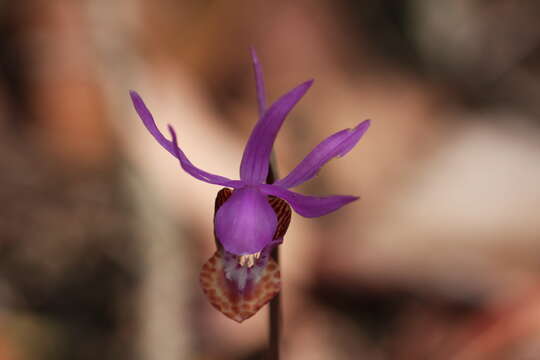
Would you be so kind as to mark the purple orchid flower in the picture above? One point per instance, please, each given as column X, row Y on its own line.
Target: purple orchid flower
column 246, row 223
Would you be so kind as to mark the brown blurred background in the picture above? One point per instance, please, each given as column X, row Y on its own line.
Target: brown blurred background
column 102, row 235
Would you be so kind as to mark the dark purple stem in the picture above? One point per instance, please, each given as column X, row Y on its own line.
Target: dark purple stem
column 275, row 319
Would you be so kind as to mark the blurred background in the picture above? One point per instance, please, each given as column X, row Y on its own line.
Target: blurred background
column 102, row 235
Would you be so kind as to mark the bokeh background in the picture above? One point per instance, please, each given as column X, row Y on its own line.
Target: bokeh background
column 102, row 235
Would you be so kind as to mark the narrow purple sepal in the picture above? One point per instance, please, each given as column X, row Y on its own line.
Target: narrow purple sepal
column 148, row 121
column 196, row 172
column 254, row 166
column 336, row 145
column 308, row 206
column 172, row 147
column 259, row 82
column 245, row 223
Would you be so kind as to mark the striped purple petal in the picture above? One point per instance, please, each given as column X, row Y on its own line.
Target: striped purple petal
column 336, row 145
column 254, row 166
column 308, row 206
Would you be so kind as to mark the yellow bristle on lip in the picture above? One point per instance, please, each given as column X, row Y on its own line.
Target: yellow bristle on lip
column 248, row 260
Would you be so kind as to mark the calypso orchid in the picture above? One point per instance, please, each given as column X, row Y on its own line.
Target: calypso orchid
column 252, row 218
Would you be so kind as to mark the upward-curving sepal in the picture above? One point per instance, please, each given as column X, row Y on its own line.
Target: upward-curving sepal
column 259, row 82
column 254, row 165
column 336, row 145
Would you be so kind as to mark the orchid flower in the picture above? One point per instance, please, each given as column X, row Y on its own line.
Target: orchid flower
column 252, row 218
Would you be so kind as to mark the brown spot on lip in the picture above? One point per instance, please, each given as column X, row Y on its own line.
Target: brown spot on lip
column 245, row 314
column 239, row 306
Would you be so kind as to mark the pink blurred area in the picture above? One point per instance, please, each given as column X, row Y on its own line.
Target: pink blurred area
column 102, row 235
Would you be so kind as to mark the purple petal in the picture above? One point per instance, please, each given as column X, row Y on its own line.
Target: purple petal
column 254, row 166
column 246, row 223
column 308, row 206
column 259, row 82
column 336, row 145
column 173, row 148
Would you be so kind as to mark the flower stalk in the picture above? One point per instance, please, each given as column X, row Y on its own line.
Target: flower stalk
column 275, row 318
